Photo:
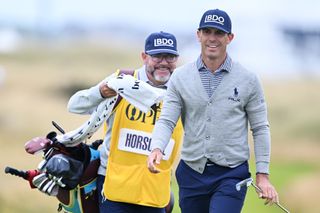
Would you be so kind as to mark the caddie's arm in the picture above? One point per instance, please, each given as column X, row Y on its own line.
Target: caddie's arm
column 105, row 91
column 86, row 101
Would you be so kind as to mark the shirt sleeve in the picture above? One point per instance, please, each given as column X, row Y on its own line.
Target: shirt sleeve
column 257, row 115
column 168, row 119
column 86, row 101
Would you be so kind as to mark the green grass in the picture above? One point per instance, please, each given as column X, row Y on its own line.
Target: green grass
column 281, row 176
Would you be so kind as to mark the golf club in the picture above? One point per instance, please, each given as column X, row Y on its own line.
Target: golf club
column 249, row 181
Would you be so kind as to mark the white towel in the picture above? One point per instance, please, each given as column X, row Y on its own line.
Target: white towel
column 136, row 92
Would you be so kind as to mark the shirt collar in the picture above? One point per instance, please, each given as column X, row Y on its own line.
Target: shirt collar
column 225, row 66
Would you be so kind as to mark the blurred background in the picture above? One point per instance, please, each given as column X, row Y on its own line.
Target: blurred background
column 51, row 48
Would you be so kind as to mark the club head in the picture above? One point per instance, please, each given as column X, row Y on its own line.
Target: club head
column 246, row 182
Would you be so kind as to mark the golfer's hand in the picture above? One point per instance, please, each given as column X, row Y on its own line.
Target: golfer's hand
column 267, row 192
column 154, row 160
column 106, row 92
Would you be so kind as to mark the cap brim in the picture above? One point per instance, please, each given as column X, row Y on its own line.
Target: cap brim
column 159, row 51
column 215, row 26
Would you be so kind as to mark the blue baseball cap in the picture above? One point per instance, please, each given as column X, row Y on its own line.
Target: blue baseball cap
column 161, row 42
column 216, row 18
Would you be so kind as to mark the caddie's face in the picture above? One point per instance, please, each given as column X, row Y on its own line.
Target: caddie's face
column 159, row 67
column 214, row 43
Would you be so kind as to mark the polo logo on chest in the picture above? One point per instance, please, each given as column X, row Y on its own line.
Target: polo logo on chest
column 235, row 95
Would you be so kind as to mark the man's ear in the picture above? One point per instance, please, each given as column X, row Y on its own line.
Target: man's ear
column 230, row 36
column 144, row 57
column 198, row 35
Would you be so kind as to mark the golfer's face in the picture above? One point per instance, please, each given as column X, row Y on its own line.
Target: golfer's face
column 214, row 42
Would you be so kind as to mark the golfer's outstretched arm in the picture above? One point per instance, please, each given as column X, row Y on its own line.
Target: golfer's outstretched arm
column 165, row 125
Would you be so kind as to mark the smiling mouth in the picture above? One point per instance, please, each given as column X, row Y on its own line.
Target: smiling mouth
column 163, row 69
column 212, row 46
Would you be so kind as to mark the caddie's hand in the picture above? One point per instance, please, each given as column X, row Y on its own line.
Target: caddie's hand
column 154, row 160
column 106, row 92
column 267, row 192
column 36, row 144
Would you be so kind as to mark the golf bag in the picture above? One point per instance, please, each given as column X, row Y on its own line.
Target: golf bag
column 68, row 173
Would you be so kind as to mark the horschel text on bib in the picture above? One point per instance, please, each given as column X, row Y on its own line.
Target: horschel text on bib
column 140, row 142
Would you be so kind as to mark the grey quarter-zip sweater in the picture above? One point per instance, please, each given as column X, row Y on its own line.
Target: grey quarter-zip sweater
column 216, row 128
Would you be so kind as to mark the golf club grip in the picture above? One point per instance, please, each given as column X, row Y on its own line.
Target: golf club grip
column 12, row 171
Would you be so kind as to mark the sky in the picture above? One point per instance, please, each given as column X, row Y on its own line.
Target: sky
column 256, row 23
column 165, row 13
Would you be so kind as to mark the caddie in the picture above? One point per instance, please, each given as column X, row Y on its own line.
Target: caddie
column 125, row 183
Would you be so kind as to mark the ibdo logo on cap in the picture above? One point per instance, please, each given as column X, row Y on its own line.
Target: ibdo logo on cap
column 216, row 19
column 161, row 42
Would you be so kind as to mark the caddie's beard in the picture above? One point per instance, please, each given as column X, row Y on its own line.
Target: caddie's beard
column 160, row 77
